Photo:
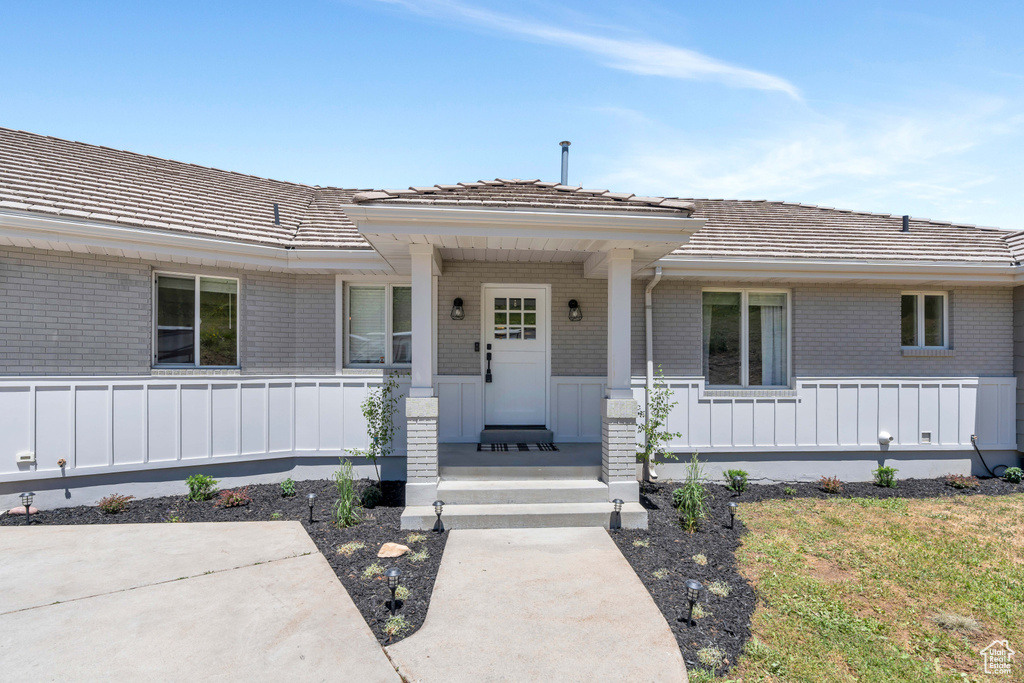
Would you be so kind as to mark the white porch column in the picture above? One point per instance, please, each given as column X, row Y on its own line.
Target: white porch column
column 618, row 409
column 421, row 406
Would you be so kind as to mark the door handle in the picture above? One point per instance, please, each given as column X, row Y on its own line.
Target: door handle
column 487, row 376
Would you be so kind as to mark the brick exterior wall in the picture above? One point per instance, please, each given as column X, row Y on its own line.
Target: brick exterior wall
column 576, row 348
column 83, row 314
column 1018, row 359
column 840, row 331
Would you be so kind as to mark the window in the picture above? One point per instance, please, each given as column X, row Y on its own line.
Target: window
column 379, row 324
column 924, row 321
column 746, row 338
column 195, row 311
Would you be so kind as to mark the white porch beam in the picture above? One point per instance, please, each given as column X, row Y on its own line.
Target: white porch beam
column 620, row 284
column 425, row 263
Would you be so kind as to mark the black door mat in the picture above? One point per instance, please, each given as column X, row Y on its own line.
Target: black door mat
column 503, row 447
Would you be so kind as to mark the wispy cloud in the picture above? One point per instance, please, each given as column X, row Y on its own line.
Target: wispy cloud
column 644, row 57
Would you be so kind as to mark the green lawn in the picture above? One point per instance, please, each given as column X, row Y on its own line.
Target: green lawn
column 850, row 589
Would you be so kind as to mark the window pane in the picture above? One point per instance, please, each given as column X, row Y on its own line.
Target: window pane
column 175, row 319
column 933, row 321
column 767, row 343
column 721, row 330
column 218, row 321
column 499, row 304
column 908, row 320
column 530, row 304
column 401, row 324
column 366, row 311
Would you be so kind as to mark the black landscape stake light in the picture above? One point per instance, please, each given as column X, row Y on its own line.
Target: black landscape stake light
column 438, row 509
column 693, row 591
column 312, row 501
column 733, row 507
column 393, row 574
column 617, row 514
column 26, row 500
column 737, row 484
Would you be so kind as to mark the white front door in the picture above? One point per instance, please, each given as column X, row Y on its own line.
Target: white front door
column 515, row 334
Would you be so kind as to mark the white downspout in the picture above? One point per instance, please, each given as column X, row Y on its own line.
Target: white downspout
column 649, row 334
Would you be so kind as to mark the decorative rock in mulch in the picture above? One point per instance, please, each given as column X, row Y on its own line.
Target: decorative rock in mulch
column 392, row 550
column 20, row 510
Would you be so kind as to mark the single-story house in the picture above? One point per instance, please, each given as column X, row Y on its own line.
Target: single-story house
column 162, row 318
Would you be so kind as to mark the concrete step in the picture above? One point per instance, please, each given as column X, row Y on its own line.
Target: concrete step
column 519, row 472
column 517, row 436
column 521, row 516
column 470, row 492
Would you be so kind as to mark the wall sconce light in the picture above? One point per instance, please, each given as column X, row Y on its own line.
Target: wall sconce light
column 458, row 312
column 575, row 312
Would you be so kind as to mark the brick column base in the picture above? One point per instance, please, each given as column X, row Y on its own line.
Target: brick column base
column 618, row 448
column 421, row 451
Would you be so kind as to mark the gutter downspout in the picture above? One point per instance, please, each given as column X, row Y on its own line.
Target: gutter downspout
column 649, row 334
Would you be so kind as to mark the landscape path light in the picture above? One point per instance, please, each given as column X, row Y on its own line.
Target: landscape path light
column 617, row 516
column 393, row 574
column 733, row 507
column 26, row 500
column 693, row 591
column 438, row 509
column 312, row 501
column 737, row 483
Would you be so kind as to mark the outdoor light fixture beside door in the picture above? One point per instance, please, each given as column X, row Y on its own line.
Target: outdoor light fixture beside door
column 458, row 312
column 26, row 500
column 312, row 500
column 693, row 591
column 393, row 574
column 575, row 312
column 438, row 509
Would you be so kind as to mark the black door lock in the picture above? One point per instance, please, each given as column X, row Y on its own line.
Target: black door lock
column 487, row 375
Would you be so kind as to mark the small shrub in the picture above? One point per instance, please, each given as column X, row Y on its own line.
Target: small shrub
column 415, row 538
column 885, row 477
column 395, row 626
column 288, row 488
column 700, row 611
column 693, row 499
column 710, row 657
column 719, row 588
column 956, row 622
column 700, row 558
column 115, row 503
column 201, row 487
column 1013, row 475
column 276, row 516
column 373, row 570
column 962, row 481
column 641, row 543
column 741, row 485
column 659, row 574
column 419, row 555
column 344, row 511
column 174, row 519
column 789, row 491
column 371, row 497
column 348, row 548
column 831, row 485
column 234, row 499
column 402, row 593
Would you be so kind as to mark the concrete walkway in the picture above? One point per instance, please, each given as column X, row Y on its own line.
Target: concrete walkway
column 522, row 605
column 220, row 602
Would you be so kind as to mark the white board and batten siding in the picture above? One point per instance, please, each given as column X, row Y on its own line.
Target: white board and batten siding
column 829, row 414
column 103, row 425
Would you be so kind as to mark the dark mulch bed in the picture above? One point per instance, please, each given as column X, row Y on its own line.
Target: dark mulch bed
column 379, row 525
column 672, row 549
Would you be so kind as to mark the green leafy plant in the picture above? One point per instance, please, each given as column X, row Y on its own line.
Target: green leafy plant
column 395, row 626
column 740, row 485
column 831, row 484
column 962, row 481
column 1013, row 475
column 402, row 593
column 373, row 570
column 201, row 487
column 885, row 476
column 719, row 588
column 114, row 503
column 345, row 510
column 288, row 488
column 415, row 538
column 789, row 491
column 174, row 519
column 379, row 409
column 371, row 497
column 654, row 422
column 419, row 555
column 276, row 516
column 234, row 498
column 693, row 497
column 700, row 559
column 347, row 549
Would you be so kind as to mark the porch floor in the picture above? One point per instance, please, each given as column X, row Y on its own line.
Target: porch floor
column 458, row 461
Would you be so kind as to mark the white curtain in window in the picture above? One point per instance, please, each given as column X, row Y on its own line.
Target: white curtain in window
column 366, row 324
column 773, row 337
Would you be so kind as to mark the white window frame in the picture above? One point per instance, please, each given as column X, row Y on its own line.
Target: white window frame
column 196, row 321
column 745, row 337
column 920, row 319
column 388, row 324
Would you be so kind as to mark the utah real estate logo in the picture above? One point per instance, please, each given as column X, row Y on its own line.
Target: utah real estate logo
column 998, row 657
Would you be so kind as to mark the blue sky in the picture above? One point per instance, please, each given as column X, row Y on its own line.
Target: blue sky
column 898, row 107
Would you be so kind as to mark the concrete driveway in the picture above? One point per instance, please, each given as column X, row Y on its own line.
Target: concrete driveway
column 219, row 602
column 539, row 605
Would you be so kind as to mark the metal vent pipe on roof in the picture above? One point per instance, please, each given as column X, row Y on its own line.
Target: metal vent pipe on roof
column 906, row 224
column 277, row 216
column 565, row 161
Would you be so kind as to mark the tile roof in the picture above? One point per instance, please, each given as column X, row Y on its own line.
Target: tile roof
column 57, row 177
